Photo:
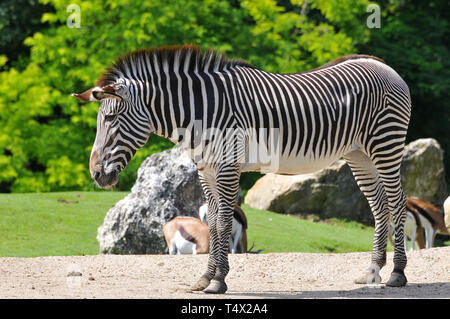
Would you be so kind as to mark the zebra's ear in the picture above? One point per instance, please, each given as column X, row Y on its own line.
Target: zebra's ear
column 86, row 96
column 116, row 91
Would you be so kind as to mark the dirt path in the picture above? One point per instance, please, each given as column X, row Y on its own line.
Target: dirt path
column 284, row 275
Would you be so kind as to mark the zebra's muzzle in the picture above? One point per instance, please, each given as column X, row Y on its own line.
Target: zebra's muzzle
column 98, row 174
column 106, row 180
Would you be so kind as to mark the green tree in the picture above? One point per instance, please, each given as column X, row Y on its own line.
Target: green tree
column 414, row 40
column 46, row 136
column 18, row 20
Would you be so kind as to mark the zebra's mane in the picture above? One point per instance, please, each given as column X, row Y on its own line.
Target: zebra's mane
column 208, row 60
column 340, row 60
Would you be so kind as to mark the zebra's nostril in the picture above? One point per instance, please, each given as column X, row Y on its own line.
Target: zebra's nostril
column 97, row 175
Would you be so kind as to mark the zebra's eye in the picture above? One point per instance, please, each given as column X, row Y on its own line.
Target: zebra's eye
column 110, row 118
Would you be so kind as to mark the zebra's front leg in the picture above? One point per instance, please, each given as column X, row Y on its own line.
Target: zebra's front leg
column 205, row 279
column 208, row 183
column 227, row 182
column 223, row 225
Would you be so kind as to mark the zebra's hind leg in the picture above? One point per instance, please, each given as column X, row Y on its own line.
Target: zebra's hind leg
column 372, row 187
column 388, row 167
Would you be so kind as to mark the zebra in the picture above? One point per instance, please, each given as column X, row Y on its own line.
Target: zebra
column 356, row 107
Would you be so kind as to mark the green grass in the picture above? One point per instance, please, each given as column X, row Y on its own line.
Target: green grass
column 281, row 233
column 59, row 224
column 63, row 224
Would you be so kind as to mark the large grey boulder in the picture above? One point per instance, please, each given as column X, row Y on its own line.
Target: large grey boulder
column 423, row 172
column 167, row 186
column 333, row 192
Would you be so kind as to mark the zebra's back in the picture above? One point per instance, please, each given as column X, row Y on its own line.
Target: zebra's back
column 316, row 117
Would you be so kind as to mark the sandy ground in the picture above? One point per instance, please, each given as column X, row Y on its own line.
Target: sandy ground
column 284, row 275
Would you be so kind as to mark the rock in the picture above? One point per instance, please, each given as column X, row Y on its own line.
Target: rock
column 423, row 172
column 447, row 212
column 73, row 270
column 167, row 186
column 333, row 192
column 74, row 274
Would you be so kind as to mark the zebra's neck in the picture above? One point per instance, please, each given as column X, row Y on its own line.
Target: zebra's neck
column 177, row 85
column 182, row 104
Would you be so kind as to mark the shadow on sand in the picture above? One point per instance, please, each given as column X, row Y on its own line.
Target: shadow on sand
column 412, row 290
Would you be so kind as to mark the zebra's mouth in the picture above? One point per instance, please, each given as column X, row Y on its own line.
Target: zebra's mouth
column 104, row 180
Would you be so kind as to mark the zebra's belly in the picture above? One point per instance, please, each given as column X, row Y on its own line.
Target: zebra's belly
column 304, row 166
column 292, row 165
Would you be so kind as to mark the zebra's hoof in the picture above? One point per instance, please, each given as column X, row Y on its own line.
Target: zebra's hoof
column 216, row 287
column 372, row 276
column 398, row 279
column 368, row 279
column 201, row 284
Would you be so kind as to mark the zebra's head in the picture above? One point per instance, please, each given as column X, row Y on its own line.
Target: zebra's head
column 122, row 128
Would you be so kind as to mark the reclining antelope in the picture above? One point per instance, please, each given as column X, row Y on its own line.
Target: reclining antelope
column 186, row 235
column 238, row 237
column 189, row 235
column 422, row 217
